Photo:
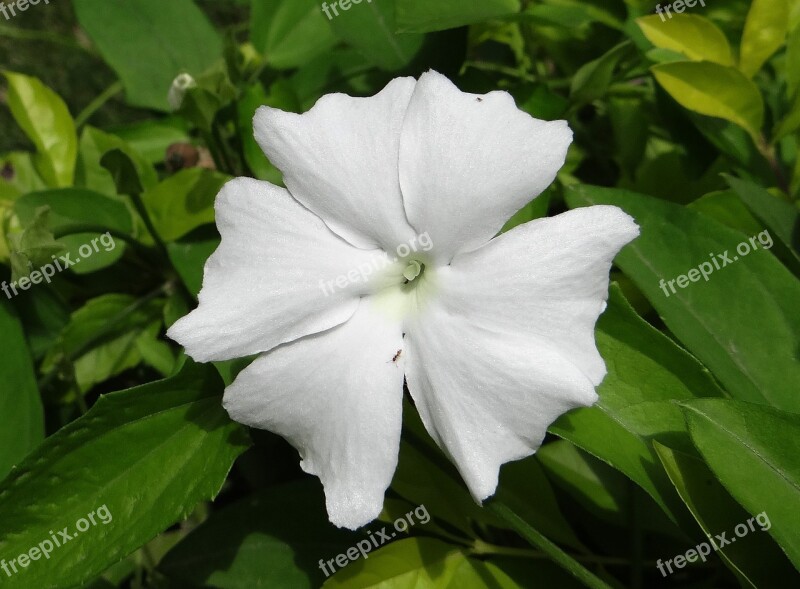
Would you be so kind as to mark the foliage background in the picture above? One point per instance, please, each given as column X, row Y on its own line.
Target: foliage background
column 690, row 124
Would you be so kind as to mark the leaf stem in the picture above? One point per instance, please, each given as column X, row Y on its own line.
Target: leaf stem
column 550, row 549
column 98, row 103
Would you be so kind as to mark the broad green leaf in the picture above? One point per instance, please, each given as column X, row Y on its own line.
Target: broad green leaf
column 46, row 121
column 30, row 249
column 643, row 366
column 149, row 42
column 764, row 33
column 421, row 563
column 21, row 413
column 727, row 208
column 781, row 218
column 100, row 340
column 370, row 28
column 714, row 90
column 183, row 202
column 692, row 35
column 71, row 210
column 422, row 16
column 144, row 457
column 273, row 539
column 790, row 123
column 290, row 33
column 573, row 14
column 755, row 453
column 756, row 560
column 741, row 322
column 591, row 81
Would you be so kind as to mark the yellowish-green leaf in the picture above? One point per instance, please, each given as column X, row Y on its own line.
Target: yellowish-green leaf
column 694, row 36
column 45, row 119
column 714, row 90
column 764, row 33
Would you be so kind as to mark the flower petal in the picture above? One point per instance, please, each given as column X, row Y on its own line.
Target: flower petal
column 469, row 162
column 266, row 283
column 336, row 397
column 547, row 279
column 340, row 160
column 507, row 344
column 486, row 397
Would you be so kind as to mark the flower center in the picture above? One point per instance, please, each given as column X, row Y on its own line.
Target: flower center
column 413, row 270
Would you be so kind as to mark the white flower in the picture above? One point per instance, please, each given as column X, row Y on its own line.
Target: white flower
column 495, row 334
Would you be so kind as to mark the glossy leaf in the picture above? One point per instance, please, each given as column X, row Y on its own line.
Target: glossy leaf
column 148, row 455
column 755, row 453
column 46, row 121
column 714, row 90
column 692, row 35
column 756, row 560
column 21, row 413
column 764, row 33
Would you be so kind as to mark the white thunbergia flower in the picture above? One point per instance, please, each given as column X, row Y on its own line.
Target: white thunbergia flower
column 493, row 335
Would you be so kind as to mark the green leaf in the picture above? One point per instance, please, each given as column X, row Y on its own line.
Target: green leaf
column 290, row 33
column 764, row 33
column 46, row 121
column 422, row 16
column 169, row 37
column 714, row 90
column 370, row 28
column 147, row 455
column 592, row 80
column 780, row 217
column 21, row 413
column 71, row 210
column 741, row 322
column 273, row 539
column 183, row 202
column 694, row 36
column 32, row 248
column 756, row 560
column 421, row 563
column 101, row 338
column 644, row 367
column 755, row 453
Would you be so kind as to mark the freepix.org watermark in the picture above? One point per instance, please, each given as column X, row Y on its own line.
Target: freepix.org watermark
column 719, row 541
column 678, row 6
column 364, row 271
column 375, row 540
column 19, row 5
column 101, row 515
column 60, row 263
column 705, row 269
column 335, row 6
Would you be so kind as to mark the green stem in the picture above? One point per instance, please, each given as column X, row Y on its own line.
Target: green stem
column 28, row 35
column 549, row 548
column 97, row 103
